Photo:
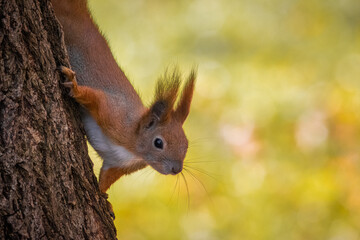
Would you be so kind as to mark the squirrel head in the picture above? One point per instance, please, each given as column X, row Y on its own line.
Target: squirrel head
column 161, row 140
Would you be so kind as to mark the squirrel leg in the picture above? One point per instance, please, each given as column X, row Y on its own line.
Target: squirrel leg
column 92, row 99
column 108, row 177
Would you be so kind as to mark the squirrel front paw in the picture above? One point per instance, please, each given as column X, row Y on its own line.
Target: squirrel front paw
column 70, row 83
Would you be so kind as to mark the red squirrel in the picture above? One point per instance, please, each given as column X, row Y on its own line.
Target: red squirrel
column 127, row 135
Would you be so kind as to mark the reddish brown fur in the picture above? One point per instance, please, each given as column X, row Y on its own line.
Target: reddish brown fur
column 183, row 108
column 96, row 102
column 108, row 177
column 109, row 97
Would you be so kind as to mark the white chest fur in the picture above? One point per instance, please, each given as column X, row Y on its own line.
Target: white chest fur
column 112, row 154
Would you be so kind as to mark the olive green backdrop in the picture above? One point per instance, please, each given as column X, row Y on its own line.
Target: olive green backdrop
column 274, row 128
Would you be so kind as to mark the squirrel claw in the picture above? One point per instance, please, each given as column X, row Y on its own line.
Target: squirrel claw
column 67, row 71
column 68, row 84
column 112, row 214
column 71, row 79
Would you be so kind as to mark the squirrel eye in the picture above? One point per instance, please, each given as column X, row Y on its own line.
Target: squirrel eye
column 158, row 143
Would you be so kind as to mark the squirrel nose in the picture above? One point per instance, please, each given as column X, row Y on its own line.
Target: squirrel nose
column 177, row 168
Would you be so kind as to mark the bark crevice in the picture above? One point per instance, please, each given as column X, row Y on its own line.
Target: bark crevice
column 47, row 186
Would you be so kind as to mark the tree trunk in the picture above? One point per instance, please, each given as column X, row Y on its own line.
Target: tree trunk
column 47, row 186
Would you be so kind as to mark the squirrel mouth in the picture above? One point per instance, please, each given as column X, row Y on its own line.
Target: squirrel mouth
column 158, row 167
column 167, row 168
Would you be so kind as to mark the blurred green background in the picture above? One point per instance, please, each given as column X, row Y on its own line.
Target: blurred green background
column 275, row 123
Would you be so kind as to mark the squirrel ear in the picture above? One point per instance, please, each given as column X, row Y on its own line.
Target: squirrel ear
column 150, row 119
column 157, row 113
column 158, row 110
column 165, row 96
column 183, row 108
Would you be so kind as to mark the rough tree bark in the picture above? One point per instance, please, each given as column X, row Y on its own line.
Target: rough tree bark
column 47, row 186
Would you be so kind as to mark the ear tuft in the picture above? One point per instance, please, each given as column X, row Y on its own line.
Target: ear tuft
column 183, row 108
column 165, row 94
